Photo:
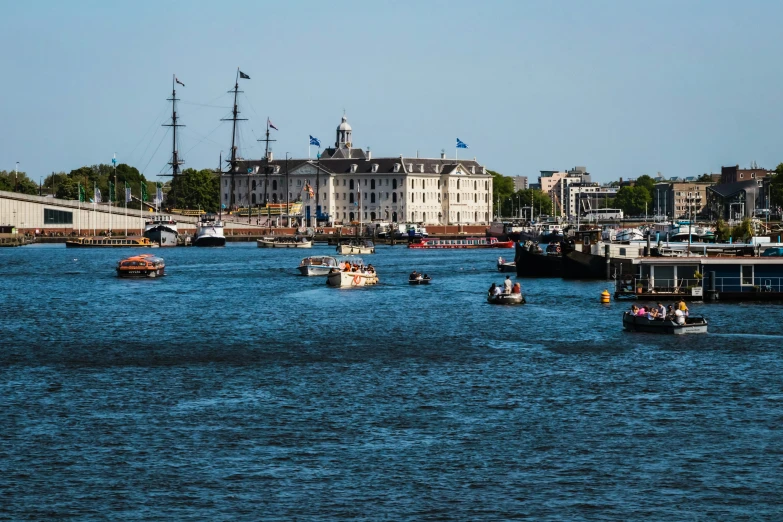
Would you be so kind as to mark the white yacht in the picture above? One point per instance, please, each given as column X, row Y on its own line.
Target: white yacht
column 161, row 230
column 209, row 232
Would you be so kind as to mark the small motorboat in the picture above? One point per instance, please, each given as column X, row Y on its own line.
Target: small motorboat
column 506, row 299
column 638, row 323
column 284, row 242
column 145, row 265
column 317, row 265
column 506, row 266
column 356, row 247
column 420, row 280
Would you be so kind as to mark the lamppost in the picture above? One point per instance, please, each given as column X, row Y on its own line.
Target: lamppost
column 287, row 189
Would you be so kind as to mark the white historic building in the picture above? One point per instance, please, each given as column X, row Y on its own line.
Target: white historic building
column 348, row 185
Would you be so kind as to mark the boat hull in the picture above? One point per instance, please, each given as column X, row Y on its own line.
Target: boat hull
column 634, row 323
column 351, row 279
column 141, row 274
column 419, row 281
column 531, row 264
column 209, row 241
column 506, row 299
column 163, row 236
column 507, row 267
column 349, row 249
column 260, row 243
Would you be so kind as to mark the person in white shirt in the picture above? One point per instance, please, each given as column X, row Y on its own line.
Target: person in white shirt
column 507, row 284
column 679, row 316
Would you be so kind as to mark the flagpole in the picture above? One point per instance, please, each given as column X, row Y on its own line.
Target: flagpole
column 126, row 208
column 79, row 206
column 94, row 203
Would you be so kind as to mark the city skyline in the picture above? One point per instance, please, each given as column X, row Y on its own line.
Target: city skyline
column 623, row 89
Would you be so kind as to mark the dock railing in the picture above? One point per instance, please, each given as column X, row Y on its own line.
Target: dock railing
column 741, row 284
column 644, row 285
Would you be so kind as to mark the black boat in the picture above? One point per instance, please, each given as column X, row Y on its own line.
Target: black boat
column 637, row 323
column 506, row 299
column 533, row 261
column 420, row 281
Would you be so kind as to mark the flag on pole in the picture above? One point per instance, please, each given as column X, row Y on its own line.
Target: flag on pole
column 314, row 141
column 243, row 75
column 179, row 82
column 461, row 144
column 82, row 193
column 144, row 196
column 114, row 160
column 127, row 194
column 159, row 193
column 269, row 122
column 97, row 195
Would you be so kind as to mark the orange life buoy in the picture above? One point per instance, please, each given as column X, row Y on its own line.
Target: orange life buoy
column 357, row 279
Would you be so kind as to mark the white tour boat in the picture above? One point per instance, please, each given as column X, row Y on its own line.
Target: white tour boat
column 317, row 265
column 284, row 242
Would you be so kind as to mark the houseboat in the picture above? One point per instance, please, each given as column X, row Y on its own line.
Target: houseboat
column 145, row 265
column 355, row 246
column 284, row 242
column 468, row 242
column 109, row 242
column 736, row 278
column 317, row 265
column 534, row 260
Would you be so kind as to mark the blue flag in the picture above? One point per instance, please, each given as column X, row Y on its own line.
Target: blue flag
column 461, row 144
column 314, row 141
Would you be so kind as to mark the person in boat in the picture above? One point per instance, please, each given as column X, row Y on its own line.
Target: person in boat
column 370, row 269
column 413, row 276
column 498, row 291
column 641, row 312
column 500, row 260
column 517, row 289
column 634, row 310
column 492, row 288
column 670, row 313
column 679, row 316
column 661, row 312
column 683, row 307
column 425, row 276
column 507, row 284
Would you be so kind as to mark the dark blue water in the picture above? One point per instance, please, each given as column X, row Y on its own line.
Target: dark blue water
column 234, row 389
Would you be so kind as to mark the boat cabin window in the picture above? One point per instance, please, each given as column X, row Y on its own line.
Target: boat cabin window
column 746, row 272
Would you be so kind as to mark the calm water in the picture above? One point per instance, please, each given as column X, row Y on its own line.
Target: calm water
column 234, row 389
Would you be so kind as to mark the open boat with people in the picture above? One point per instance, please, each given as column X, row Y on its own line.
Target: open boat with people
column 109, row 242
column 284, row 242
column 638, row 323
column 317, row 265
column 417, row 278
column 352, row 272
column 506, row 266
column 356, row 247
column 145, row 265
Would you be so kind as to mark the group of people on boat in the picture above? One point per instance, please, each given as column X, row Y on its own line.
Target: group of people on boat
column 346, row 266
column 509, row 287
column 678, row 312
column 415, row 276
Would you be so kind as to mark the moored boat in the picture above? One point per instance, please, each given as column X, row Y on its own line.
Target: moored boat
column 636, row 323
column 162, row 230
column 317, row 265
column 145, row 265
column 506, row 266
column 356, row 247
column 109, row 242
column 209, row 232
column 468, row 242
column 506, row 299
column 284, row 242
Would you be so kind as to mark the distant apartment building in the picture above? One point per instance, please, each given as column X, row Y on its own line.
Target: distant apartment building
column 557, row 184
column 520, row 183
column 588, row 196
column 676, row 199
column 735, row 174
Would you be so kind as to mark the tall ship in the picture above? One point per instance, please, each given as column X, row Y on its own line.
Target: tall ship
column 209, row 232
column 162, row 230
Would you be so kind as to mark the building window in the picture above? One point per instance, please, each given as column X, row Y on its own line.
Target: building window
column 412, row 185
column 57, row 217
column 372, row 197
column 372, row 184
column 746, row 271
column 350, row 198
column 457, row 202
column 394, row 183
column 350, row 185
column 457, row 184
column 394, row 197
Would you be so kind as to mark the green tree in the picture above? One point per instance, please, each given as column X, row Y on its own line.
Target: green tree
column 776, row 188
column 633, row 201
column 502, row 186
column 647, row 182
column 194, row 189
column 704, row 177
column 722, row 230
column 68, row 189
column 17, row 182
column 743, row 231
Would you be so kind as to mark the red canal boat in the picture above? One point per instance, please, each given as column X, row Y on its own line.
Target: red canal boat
column 468, row 242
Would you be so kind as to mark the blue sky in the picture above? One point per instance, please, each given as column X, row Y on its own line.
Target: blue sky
column 625, row 88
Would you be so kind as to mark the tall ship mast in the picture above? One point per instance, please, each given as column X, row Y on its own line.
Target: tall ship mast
column 232, row 162
column 163, row 229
